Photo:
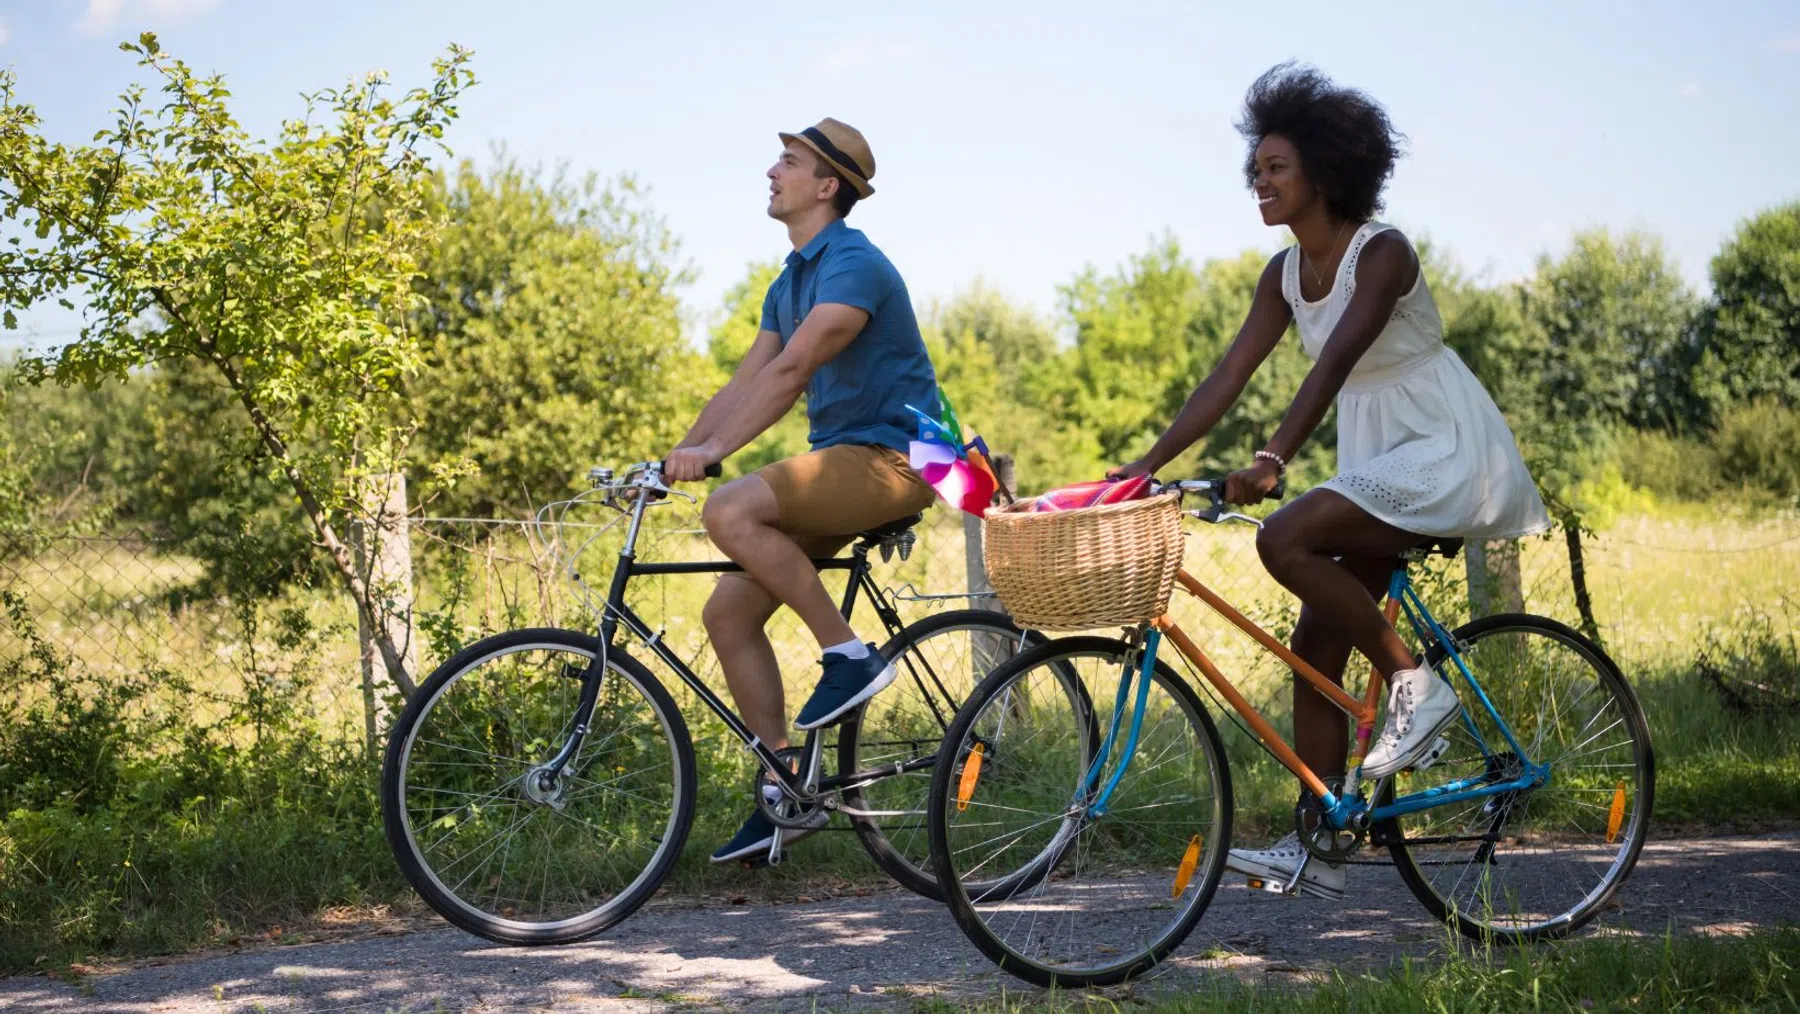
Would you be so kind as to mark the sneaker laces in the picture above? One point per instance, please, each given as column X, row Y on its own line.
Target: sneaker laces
column 1288, row 844
column 1400, row 715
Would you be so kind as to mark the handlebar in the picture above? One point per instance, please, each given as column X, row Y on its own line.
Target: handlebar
column 1214, row 490
column 713, row 471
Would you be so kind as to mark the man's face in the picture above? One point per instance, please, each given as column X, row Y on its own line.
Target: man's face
column 794, row 188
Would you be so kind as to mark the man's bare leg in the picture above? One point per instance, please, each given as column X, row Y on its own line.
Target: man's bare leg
column 741, row 519
column 736, row 617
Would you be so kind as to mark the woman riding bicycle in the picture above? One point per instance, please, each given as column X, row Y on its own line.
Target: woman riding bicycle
column 1423, row 453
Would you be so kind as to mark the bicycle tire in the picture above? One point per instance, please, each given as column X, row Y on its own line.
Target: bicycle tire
column 903, row 852
column 400, row 825
column 1199, row 892
column 1476, row 918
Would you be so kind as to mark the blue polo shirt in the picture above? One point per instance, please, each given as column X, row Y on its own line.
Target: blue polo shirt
column 859, row 397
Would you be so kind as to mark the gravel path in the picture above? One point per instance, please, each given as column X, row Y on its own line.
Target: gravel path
column 874, row 952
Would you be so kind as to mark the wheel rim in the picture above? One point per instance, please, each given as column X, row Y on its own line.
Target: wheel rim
column 906, row 723
column 1561, row 849
column 1118, row 894
column 546, row 856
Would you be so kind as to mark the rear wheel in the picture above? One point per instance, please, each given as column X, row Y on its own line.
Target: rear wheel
column 1538, row 863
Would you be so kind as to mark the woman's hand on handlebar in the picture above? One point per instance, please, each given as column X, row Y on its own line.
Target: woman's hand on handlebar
column 1130, row 470
column 1252, row 485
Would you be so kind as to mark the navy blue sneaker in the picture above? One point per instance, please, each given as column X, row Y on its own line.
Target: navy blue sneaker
column 847, row 682
column 758, row 833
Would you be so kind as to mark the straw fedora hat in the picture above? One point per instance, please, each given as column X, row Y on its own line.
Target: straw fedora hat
column 843, row 148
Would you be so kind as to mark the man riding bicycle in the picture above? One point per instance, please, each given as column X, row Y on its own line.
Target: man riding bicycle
column 837, row 324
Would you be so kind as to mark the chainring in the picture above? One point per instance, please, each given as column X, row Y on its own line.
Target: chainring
column 1318, row 837
column 783, row 811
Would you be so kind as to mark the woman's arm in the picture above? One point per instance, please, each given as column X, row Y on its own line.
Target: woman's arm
column 1263, row 326
column 1386, row 272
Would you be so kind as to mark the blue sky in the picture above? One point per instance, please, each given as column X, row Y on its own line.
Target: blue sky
column 1021, row 142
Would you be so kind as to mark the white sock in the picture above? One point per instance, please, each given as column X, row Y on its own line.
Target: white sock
column 849, row 649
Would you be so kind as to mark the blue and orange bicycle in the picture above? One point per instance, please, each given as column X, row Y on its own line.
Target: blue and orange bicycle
column 1520, row 824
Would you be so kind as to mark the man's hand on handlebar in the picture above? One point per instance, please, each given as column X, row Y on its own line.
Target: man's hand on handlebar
column 691, row 464
column 1252, row 485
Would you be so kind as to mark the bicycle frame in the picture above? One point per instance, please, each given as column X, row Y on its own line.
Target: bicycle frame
column 616, row 611
column 1348, row 809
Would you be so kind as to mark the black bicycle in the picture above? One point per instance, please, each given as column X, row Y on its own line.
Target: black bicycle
column 540, row 784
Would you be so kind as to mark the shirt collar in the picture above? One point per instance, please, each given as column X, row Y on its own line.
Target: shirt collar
column 818, row 243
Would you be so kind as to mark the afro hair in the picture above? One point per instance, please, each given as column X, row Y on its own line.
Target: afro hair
column 1346, row 143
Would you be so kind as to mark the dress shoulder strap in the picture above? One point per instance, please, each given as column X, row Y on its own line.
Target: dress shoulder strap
column 1290, row 277
column 1368, row 231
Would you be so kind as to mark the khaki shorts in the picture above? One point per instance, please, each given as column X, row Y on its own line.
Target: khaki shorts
column 835, row 492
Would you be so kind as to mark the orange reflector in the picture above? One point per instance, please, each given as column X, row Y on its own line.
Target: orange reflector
column 1185, row 871
column 1617, row 816
column 971, row 774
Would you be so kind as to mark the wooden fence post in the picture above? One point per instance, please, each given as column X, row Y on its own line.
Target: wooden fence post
column 383, row 547
column 987, row 650
column 1495, row 584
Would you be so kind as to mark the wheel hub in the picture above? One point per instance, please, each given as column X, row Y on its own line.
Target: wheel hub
column 546, row 788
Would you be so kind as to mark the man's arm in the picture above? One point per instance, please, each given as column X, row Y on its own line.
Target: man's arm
column 719, row 407
column 768, row 395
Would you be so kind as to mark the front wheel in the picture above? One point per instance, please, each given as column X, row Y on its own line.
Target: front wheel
column 940, row 660
column 1536, row 863
column 488, row 837
column 1113, row 873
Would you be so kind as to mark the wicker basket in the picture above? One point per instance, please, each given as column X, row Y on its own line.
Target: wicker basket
column 1079, row 569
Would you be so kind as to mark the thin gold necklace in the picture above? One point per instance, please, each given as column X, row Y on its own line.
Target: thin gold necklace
column 1314, row 268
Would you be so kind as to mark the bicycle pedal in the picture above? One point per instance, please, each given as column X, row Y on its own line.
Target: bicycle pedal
column 761, row 862
column 1271, row 886
column 1434, row 753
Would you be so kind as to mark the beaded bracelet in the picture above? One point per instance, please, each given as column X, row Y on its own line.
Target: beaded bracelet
column 1280, row 463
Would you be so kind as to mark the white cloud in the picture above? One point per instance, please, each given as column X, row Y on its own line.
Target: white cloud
column 99, row 17
column 5, row 34
column 1690, row 88
column 864, row 54
column 103, row 15
column 1791, row 44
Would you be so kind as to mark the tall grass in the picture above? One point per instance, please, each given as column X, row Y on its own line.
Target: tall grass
column 1711, row 974
column 231, row 791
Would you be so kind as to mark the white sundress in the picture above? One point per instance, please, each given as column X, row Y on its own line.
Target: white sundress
column 1421, row 445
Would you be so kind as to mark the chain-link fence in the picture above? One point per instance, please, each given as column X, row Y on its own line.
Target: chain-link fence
column 127, row 602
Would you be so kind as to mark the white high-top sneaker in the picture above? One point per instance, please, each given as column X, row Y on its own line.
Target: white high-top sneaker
column 1277, row 863
column 1419, row 707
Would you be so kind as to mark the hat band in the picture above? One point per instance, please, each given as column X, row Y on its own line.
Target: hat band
column 833, row 152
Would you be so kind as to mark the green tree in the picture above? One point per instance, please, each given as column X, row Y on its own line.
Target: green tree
column 740, row 317
column 1751, row 332
column 1147, row 334
column 1485, row 325
column 286, row 267
column 552, row 337
column 1000, row 366
column 733, row 331
column 1610, row 321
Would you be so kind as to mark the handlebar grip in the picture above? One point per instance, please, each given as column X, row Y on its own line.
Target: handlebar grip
column 1279, row 491
column 713, row 471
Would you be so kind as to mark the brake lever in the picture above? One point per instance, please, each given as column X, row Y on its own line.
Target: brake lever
column 664, row 490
